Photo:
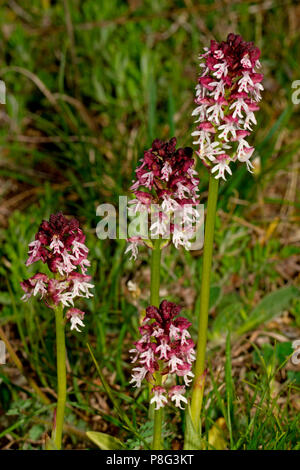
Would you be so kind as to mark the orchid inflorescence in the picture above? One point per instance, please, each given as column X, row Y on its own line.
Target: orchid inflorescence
column 226, row 97
column 60, row 244
column 166, row 349
column 165, row 185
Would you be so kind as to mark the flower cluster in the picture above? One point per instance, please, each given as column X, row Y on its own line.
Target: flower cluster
column 165, row 348
column 60, row 244
column 226, row 96
column 166, row 186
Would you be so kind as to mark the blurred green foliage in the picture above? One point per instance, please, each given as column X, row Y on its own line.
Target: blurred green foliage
column 89, row 85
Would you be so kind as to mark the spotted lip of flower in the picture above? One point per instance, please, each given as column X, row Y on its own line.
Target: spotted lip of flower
column 59, row 243
column 176, row 394
column 75, row 316
column 165, row 347
column 159, row 398
column 227, row 94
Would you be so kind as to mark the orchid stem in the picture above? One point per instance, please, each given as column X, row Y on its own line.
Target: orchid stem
column 61, row 377
column 154, row 300
column 155, row 273
column 158, row 421
column 198, row 386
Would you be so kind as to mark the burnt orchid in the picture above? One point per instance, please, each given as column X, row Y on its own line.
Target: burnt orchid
column 165, row 345
column 60, row 244
column 164, row 353
column 165, row 183
column 226, row 96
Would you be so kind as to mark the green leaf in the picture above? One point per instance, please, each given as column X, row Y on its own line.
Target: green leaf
column 105, row 441
column 269, row 307
column 294, row 376
column 5, row 298
column 265, row 353
column 283, row 351
column 192, row 436
column 229, row 386
column 49, row 443
column 36, row 431
column 228, row 316
column 216, row 438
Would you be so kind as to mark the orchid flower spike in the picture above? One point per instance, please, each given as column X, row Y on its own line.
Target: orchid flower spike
column 166, row 187
column 227, row 94
column 60, row 244
column 165, row 347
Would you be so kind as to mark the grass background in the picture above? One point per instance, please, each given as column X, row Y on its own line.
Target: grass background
column 89, row 85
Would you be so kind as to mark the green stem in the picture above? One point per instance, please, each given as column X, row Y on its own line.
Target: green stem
column 155, row 274
column 154, row 300
column 61, row 376
column 158, row 420
column 198, row 387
